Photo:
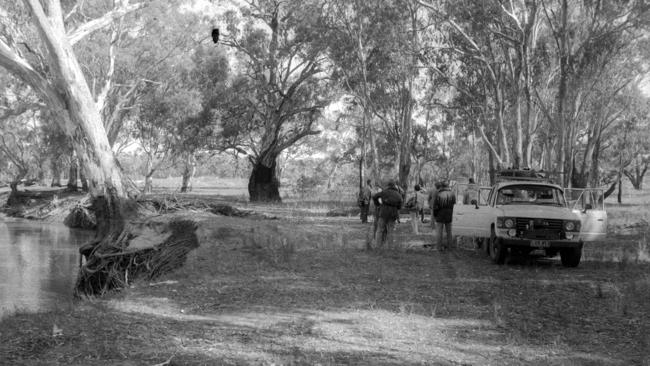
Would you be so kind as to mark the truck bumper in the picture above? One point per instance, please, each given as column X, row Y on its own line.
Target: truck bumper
column 541, row 244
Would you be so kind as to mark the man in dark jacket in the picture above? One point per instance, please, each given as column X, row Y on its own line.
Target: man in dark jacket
column 389, row 201
column 444, row 208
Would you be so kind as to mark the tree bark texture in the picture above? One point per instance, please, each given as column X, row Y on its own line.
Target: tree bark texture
column 560, row 118
column 148, row 177
column 56, row 172
column 188, row 173
column 84, row 181
column 263, row 184
column 73, row 174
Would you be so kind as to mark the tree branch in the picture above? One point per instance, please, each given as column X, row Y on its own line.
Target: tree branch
column 18, row 66
column 82, row 31
column 103, row 94
column 489, row 144
column 307, row 131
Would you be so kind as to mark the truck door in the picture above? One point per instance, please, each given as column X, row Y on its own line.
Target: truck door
column 470, row 219
column 589, row 205
column 461, row 220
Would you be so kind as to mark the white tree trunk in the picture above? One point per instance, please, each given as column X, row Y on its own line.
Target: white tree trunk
column 188, row 173
column 67, row 94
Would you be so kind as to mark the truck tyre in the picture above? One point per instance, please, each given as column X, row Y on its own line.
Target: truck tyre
column 497, row 251
column 571, row 256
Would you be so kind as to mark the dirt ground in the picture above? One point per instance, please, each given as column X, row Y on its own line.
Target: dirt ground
column 301, row 289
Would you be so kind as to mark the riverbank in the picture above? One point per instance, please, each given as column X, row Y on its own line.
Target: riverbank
column 300, row 289
column 46, row 204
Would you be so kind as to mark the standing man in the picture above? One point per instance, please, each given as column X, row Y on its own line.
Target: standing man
column 364, row 201
column 421, row 194
column 415, row 205
column 390, row 201
column 375, row 212
column 432, row 201
column 444, row 207
column 471, row 193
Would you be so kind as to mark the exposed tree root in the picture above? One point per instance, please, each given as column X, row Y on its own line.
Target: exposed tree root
column 80, row 218
column 112, row 264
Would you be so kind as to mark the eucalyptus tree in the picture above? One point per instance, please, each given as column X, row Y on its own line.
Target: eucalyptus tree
column 376, row 49
column 18, row 128
column 627, row 150
column 168, row 92
column 160, row 110
column 359, row 32
column 201, row 131
column 491, row 46
column 282, row 88
column 586, row 38
column 129, row 57
column 607, row 106
column 58, row 149
column 19, row 139
column 538, row 62
column 37, row 46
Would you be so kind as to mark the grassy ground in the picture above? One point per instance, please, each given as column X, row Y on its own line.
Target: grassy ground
column 301, row 290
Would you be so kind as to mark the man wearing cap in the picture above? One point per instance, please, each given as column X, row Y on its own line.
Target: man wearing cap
column 444, row 208
column 389, row 201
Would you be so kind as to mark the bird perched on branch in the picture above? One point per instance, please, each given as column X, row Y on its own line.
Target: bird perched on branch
column 215, row 35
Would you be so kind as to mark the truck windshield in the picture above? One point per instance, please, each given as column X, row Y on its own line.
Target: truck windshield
column 530, row 195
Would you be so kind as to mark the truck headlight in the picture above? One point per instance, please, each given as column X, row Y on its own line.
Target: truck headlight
column 505, row 222
column 571, row 226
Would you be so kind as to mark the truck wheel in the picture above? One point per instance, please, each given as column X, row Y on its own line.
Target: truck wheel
column 497, row 251
column 571, row 256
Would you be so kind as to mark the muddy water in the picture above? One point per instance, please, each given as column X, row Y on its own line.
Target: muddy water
column 38, row 264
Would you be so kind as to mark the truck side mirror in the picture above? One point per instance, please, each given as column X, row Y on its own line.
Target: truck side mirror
column 475, row 203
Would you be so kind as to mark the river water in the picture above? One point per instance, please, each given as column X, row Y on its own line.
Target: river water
column 38, row 264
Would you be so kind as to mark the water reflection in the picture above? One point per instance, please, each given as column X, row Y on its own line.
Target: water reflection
column 38, row 264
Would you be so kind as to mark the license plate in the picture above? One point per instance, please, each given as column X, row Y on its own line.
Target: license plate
column 540, row 243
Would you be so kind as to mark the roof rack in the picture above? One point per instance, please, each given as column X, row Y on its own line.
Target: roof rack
column 523, row 174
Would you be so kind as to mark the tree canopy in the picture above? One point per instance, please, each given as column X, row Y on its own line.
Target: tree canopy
column 407, row 89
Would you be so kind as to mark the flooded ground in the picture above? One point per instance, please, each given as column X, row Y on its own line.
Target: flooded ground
column 38, row 264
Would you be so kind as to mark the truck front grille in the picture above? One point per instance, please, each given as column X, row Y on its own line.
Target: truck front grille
column 526, row 224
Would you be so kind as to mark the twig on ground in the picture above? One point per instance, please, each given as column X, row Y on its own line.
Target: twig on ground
column 166, row 363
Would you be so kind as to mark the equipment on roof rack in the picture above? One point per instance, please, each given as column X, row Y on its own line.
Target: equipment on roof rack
column 523, row 174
